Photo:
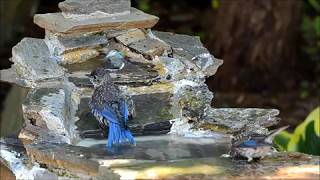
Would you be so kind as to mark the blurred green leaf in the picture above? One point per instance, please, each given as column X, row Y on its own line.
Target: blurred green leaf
column 144, row 5
column 201, row 35
column 317, row 25
column 306, row 137
column 215, row 4
column 304, row 89
column 315, row 4
column 282, row 140
column 307, row 26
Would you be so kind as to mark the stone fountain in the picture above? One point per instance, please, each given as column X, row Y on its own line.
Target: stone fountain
column 177, row 131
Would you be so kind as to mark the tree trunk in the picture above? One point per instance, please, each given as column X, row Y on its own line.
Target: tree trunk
column 258, row 41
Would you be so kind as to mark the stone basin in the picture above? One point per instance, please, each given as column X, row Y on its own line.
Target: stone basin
column 178, row 134
column 154, row 157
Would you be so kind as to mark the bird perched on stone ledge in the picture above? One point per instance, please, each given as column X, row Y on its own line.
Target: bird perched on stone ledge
column 110, row 109
column 115, row 60
column 254, row 145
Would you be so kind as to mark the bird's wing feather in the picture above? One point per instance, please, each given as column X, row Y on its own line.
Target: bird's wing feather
column 249, row 143
column 124, row 111
column 273, row 133
column 110, row 115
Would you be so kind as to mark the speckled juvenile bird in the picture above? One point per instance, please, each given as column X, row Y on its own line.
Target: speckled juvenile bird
column 110, row 109
column 254, row 145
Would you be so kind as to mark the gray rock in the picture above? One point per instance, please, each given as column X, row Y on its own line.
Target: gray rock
column 46, row 108
column 132, row 74
column 150, row 47
column 78, row 56
column 183, row 157
column 92, row 6
column 59, row 44
column 55, row 22
column 192, row 100
column 16, row 162
column 175, row 69
column 131, row 36
column 12, row 77
column 90, row 155
column 255, row 120
column 191, row 49
column 32, row 61
column 150, row 107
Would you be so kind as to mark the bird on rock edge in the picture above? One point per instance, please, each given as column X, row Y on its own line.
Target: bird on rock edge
column 111, row 111
column 253, row 146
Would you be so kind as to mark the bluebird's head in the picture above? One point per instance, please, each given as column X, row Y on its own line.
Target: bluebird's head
column 106, row 79
column 100, row 75
column 115, row 54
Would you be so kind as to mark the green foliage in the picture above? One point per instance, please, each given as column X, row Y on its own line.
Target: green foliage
column 144, row 5
column 305, row 138
column 315, row 4
column 304, row 89
column 215, row 4
column 317, row 25
column 282, row 140
column 310, row 28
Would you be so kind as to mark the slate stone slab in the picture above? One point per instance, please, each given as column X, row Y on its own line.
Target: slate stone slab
column 91, row 6
column 167, row 157
column 46, row 108
column 55, row 22
column 150, row 47
column 78, row 56
column 194, row 101
column 90, row 155
column 32, row 61
column 191, row 49
column 174, row 69
column 11, row 76
column 133, row 73
column 131, row 36
column 233, row 119
column 151, row 112
column 59, row 44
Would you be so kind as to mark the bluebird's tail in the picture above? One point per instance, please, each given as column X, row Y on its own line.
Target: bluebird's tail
column 118, row 134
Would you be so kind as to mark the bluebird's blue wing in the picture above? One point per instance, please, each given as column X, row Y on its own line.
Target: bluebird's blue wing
column 249, row 144
column 110, row 115
column 124, row 111
column 117, row 134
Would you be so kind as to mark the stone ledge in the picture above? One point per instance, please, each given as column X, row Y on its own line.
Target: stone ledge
column 55, row 22
column 176, row 158
column 33, row 63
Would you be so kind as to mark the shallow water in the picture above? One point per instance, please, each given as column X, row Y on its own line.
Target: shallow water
column 164, row 147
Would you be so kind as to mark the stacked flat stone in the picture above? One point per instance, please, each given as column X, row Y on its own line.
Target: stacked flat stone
column 164, row 76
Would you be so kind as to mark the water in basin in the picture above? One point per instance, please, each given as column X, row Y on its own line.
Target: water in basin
column 164, row 147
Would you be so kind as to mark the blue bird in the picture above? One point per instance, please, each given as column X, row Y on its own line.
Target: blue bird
column 115, row 60
column 254, row 145
column 111, row 111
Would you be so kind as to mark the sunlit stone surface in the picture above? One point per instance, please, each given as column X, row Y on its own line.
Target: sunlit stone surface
column 59, row 44
column 191, row 49
column 56, row 22
column 32, row 61
column 76, row 7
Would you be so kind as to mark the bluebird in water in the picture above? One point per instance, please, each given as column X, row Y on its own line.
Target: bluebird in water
column 110, row 109
column 254, row 145
column 115, row 60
